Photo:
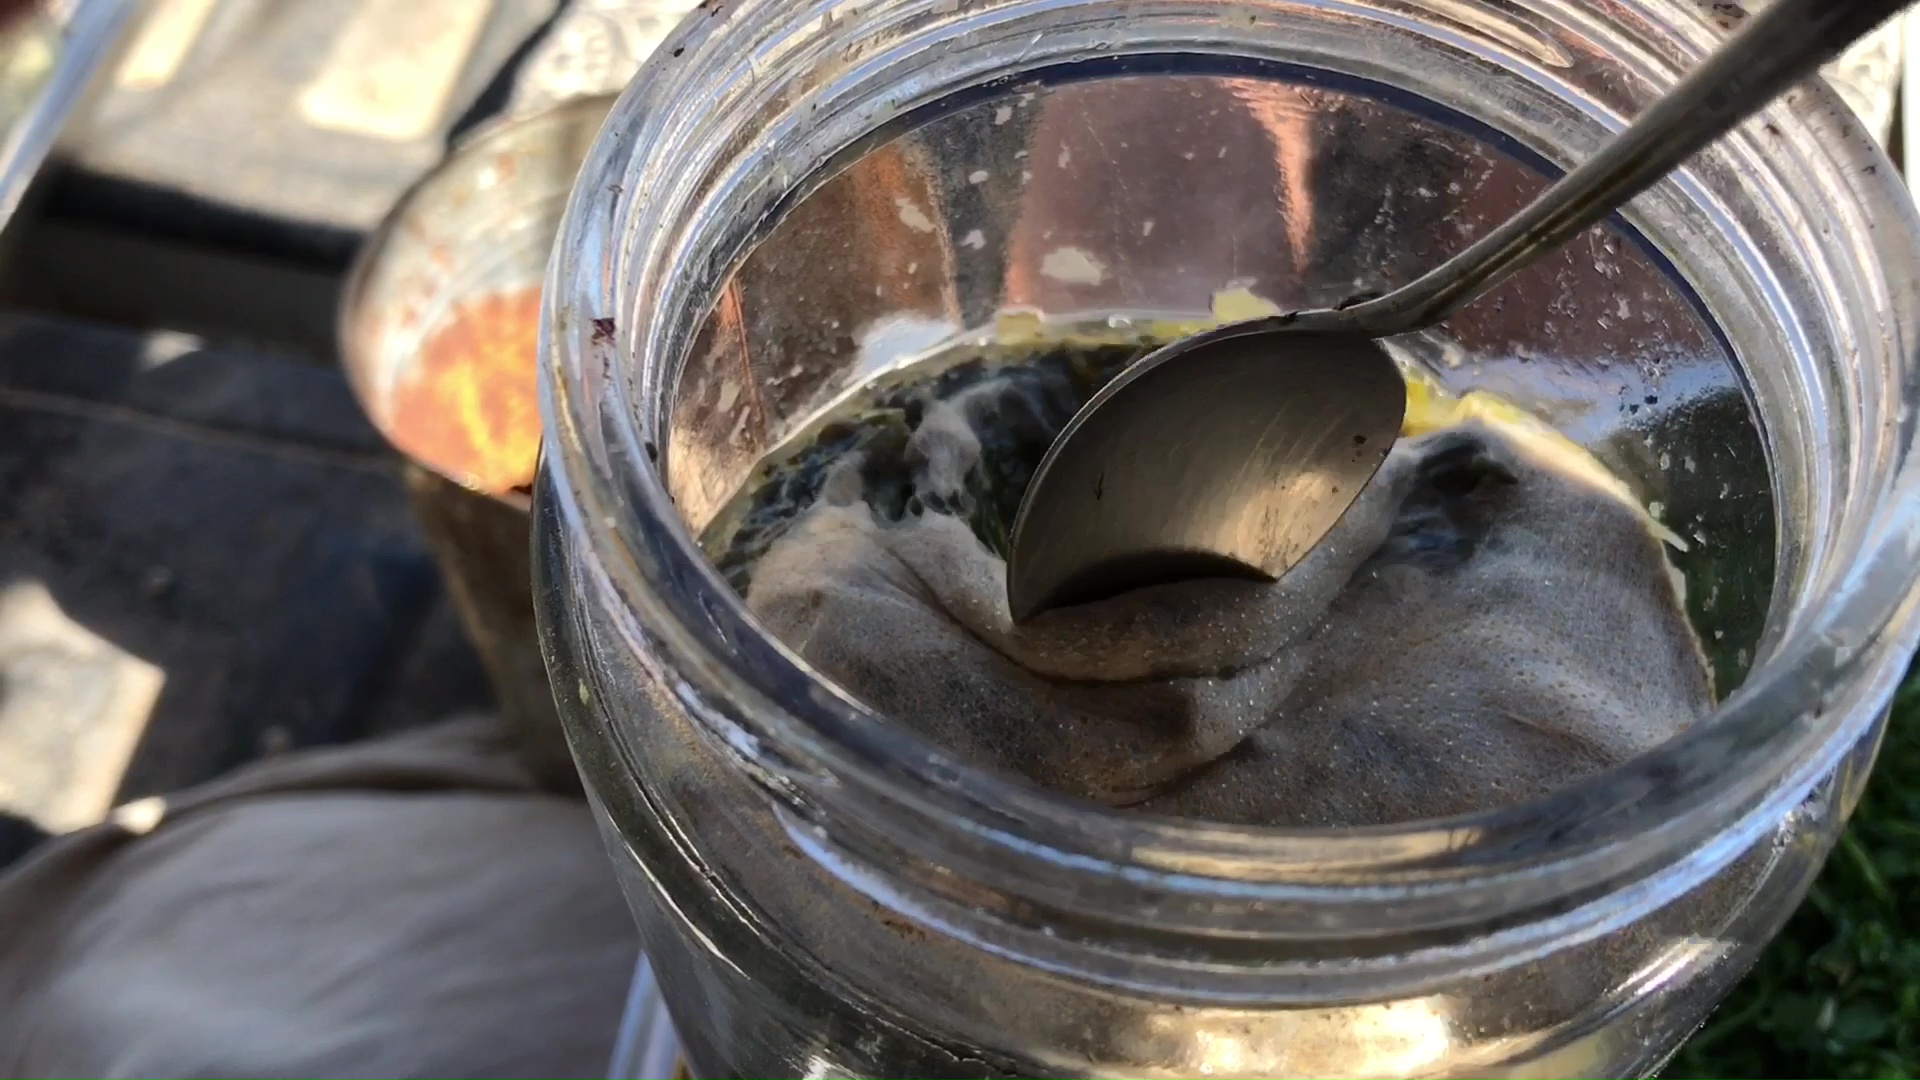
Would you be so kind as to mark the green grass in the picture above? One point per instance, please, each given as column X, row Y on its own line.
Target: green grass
column 1838, row 994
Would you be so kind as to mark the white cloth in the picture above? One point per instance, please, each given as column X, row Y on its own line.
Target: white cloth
column 406, row 907
column 1485, row 624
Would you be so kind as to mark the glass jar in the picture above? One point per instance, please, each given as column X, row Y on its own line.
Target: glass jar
column 794, row 196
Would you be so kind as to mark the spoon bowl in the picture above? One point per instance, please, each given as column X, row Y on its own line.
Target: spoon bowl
column 1257, row 433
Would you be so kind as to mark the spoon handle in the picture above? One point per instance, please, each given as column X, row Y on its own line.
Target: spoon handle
column 1774, row 51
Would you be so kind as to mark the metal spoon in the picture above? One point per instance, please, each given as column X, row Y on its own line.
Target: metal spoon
column 1233, row 452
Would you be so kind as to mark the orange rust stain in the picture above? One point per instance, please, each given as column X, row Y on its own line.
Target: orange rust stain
column 471, row 407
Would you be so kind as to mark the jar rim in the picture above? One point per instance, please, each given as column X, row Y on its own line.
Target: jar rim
column 1714, row 786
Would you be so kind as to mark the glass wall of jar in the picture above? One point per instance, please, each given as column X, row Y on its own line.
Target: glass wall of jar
column 794, row 197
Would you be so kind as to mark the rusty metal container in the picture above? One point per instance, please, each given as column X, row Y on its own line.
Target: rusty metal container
column 439, row 325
